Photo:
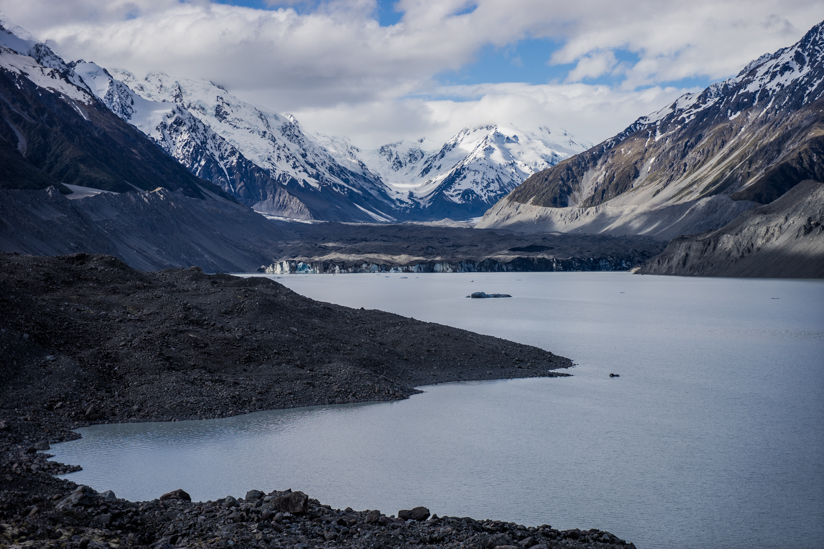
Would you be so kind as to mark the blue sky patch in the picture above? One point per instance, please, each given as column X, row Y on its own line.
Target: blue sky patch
column 526, row 61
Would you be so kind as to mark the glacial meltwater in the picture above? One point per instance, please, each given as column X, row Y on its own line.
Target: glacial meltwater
column 712, row 436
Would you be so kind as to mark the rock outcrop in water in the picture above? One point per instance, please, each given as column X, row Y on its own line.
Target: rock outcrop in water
column 484, row 295
column 87, row 339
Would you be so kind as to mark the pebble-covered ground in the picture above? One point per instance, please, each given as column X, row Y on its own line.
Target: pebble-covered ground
column 86, row 339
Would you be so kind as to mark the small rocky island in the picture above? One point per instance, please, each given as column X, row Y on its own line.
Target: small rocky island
column 86, row 339
column 484, row 295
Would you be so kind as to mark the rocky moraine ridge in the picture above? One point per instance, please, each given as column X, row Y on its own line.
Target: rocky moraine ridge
column 86, row 339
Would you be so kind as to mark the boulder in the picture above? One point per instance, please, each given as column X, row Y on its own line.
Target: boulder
column 92, row 412
column 103, row 520
column 254, row 495
column 42, row 446
column 176, row 494
column 82, row 496
column 108, row 494
column 418, row 513
column 296, row 503
column 498, row 540
column 230, row 502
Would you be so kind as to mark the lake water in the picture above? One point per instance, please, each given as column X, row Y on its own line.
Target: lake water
column 712, row 436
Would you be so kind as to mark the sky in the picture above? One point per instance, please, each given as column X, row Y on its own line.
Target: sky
column 378, row 71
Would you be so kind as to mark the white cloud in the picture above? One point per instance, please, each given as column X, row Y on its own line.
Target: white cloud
column 593, row 65
column 341, row 72
column 590, row 113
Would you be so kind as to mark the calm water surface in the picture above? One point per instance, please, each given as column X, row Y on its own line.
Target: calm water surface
column 712, row 436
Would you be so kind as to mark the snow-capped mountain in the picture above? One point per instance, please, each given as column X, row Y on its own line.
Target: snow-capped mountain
column 54, row 131
column 275, row 143
column 268, row 162
column 190, row 141
column 23, row 55
column 693, row 165
column 463, row 177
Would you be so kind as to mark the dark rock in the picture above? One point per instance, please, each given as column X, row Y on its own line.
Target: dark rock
column 484, row 295
column 103, row 520
column 162, row 543
column 176, row 495
column 373, row 517
column 296, row 503
column 254, row 495
column 42, row 446
column 614, row 375
column 82, row 496
column 498, row 540
column 108, row 494
column 418, row 513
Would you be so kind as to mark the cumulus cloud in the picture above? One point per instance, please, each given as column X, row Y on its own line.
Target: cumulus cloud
column 592, row 66
column 331, row 63
column 591, row 113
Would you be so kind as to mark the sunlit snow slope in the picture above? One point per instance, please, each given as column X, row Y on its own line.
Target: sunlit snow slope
column 463, row 177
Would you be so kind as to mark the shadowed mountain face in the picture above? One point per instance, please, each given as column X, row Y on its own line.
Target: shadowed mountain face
column 748, row 139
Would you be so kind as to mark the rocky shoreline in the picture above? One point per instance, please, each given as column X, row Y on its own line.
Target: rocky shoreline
column 86, row 339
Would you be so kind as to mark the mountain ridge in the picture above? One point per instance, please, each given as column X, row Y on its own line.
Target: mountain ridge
column 750, row 138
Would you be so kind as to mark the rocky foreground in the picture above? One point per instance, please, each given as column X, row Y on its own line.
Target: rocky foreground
column 86, row 339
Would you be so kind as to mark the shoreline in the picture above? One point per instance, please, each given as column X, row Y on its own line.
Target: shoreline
column 89, row 340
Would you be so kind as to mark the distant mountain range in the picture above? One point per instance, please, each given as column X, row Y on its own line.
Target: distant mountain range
column 694, row 165
column 266, row 161
column 692, row 168
column 460, row 179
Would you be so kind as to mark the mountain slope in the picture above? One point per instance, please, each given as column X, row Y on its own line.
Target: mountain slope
column 148, row 230
column 54, row 131
column 185, row 138
column 780, row 240
column 743, row 141
column 277, row 145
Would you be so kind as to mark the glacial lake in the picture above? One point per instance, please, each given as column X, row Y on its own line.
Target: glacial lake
column 712, row 436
